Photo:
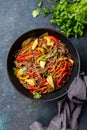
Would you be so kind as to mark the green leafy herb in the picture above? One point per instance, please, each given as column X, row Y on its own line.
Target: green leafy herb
column 36, row 12
column 36, row 95
column 44, row 59
column 45, row 12
column 40, row 3
column 14, row 70
column 24, row 71
column 71, row 17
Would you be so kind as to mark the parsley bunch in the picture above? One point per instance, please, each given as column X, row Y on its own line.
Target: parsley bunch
column 70, row 17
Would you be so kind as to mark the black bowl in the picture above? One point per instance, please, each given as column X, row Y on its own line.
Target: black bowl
column 17, row 45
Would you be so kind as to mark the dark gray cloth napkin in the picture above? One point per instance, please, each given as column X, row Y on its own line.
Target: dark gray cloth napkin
column 69, row 108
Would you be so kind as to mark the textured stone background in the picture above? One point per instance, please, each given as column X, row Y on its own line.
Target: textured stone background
column 16, row 111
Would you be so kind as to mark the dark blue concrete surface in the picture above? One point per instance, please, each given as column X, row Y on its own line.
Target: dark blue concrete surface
column 16, row 111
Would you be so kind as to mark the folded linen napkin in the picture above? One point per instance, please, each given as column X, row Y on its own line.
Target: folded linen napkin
column 69, row 108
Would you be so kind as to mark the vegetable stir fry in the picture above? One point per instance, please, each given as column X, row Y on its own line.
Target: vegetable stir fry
column 43, row 64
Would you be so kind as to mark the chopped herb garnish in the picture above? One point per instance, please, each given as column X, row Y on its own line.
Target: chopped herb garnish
column 36, row 95
column 14, row 70
column 36, row 12
column 45, row 12
column 44, row 59
column 40, row 3
column 24, row 71
column 71, row 17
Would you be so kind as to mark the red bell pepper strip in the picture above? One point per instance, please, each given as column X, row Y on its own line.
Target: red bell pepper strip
column 60, row 80
column 43, row 82
column 54, row 39
column 21, row 59
column 32, row 74
column 69, row 65
column 33, row 89
column 29, row 53
column 51, row 68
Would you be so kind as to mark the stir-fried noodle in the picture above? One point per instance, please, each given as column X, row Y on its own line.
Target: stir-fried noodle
column 43, row 64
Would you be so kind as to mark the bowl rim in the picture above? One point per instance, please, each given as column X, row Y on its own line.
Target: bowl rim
column 49, row 29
